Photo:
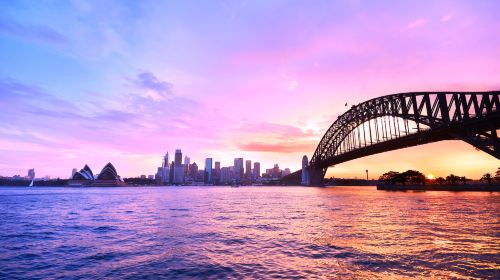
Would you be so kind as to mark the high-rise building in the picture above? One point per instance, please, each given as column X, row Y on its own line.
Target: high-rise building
column 165, row 161
column 256, row 170
column 238, row 169
column 276, row 171
column 208, row 171
column 248, row 169
column 187, row 163
column 194, row 170
column 225, row 175
column 159, row 176
column 217, row 173
column 31, row 174
column 178, row 157
column 178, row 168
column 171, row 173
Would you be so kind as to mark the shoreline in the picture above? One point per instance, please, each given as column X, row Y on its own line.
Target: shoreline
column 453, row 188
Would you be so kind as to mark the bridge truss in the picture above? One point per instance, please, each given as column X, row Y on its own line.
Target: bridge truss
column 408, row 119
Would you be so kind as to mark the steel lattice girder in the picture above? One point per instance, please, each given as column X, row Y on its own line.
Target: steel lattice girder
column 456, row 115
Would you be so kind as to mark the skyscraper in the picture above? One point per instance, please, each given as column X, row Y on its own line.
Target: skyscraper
column 194, row 170
column 256, row 170
column 187, row 163
column 165, row 160
column 217, row 173
column 248, row 169
column 178, row 168
column 208, row 171
column 238, row 169
column 178, row 157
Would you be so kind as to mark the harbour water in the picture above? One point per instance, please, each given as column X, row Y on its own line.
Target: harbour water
column 247, row 232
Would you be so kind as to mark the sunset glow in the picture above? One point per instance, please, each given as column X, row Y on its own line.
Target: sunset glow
column 80, row 84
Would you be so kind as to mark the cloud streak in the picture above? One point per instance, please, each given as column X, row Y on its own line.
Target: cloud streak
column 38, row 33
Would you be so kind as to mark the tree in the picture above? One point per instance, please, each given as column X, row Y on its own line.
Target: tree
column 452, row 179
column 414, row 177
column 464, row 179
column 487, row 177
column 497, row 175
column 440, row 180
column 390, row 177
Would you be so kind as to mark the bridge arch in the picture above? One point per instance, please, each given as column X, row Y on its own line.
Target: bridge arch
column 473, row 117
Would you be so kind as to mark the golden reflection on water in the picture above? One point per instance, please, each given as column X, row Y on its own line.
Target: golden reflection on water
column 250, row 232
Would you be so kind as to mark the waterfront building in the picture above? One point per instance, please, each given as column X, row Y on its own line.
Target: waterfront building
column 178, row 168
column 178, row 157
column 31, row 174
column 238, row 169
column 256, row 170
column 165, row 162
column 248, row 169
column 107, row 177
column 187, row 162
column 217, row 173
column 194, row 171
column 171, row 173
column 73, row 172
column 276, row 173
column 208, row 171
column 82, row 177
column 225, row 175
column 159, row 176
column 165, row 174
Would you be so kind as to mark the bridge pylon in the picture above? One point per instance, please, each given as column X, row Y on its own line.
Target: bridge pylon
column 316, row 176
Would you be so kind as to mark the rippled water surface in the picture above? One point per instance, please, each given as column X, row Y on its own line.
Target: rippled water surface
column 247, row 232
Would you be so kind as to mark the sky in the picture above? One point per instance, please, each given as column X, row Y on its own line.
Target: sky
column 91, row 82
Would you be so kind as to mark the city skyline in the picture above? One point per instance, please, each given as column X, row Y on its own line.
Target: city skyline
column 124, row 86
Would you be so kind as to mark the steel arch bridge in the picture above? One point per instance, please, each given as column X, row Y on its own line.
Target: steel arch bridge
column 403, row 120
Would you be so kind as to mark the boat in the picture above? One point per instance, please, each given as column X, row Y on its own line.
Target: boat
column 31, row 184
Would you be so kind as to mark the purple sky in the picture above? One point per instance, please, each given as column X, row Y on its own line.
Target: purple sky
column 126, row 81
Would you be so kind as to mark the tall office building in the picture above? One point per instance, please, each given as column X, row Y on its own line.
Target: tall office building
column 171, row 173
column 208, row 171
column 187, row 163
column 194, row 170
column 165, row 161
column 217, row 173
column 225, row 175
column 178, row 168
column 178, row 157
column 256, row 170
column 31, row 174
column 248, row 169
column 238, row 169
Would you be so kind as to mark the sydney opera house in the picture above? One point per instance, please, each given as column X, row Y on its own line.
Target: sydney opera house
column 108, row 177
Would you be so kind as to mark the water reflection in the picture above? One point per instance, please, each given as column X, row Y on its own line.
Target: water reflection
column 345, row 232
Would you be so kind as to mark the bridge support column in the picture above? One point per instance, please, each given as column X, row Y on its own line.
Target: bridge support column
column 316, row 176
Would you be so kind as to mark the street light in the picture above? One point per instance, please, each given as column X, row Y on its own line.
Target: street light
column 366, row 174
